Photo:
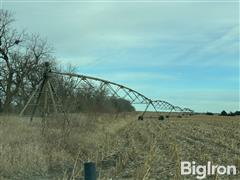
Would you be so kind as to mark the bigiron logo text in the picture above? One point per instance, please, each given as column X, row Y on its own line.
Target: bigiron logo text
column 202, row 171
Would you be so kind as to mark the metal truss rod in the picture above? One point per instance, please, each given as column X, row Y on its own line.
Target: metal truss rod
column 114, row 89
column 30, row 99
column 102, row 80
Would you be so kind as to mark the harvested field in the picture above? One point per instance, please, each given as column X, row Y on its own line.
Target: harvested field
column 122, row 147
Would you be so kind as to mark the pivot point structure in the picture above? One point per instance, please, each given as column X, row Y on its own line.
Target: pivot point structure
column 44, row 98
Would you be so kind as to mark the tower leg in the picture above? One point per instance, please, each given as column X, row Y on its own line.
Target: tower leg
column 52, row 97
column 45, row 108
column 33, row 94
column 62, row 110
column 170, row 112
column 141, row 117
column 38, row 98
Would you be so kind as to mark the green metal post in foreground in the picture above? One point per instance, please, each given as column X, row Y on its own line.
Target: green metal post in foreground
column 90, row 171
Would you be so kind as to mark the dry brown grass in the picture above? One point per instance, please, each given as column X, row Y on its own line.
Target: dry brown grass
column 122, row 147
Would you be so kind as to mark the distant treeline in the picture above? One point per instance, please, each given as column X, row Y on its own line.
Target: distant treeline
column 224, row 113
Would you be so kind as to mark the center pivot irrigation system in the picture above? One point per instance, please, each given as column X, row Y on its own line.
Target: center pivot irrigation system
column 46, row 94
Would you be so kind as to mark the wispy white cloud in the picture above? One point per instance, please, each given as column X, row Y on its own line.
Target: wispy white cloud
column 218, row 51
column 80, row 26
column 78, row 61
column 136, row 76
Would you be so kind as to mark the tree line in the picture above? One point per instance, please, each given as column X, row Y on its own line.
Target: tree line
column 224, row 113
column 21, row 68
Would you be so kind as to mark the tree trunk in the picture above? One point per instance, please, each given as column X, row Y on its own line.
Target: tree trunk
column 8, row 99
column 1, row 108
column 7, row 105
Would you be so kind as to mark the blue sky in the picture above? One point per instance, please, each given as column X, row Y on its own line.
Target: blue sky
column 186, row 53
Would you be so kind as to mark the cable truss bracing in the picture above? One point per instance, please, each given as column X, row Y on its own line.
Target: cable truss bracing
column 164, row 105
column 188, row 110
column 46, row 94
column 178, row 109
column 120, row 91
column 113, row 89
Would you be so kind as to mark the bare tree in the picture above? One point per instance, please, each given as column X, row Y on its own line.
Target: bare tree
column 20, row 57
column 36, row 52
column 9, row 39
